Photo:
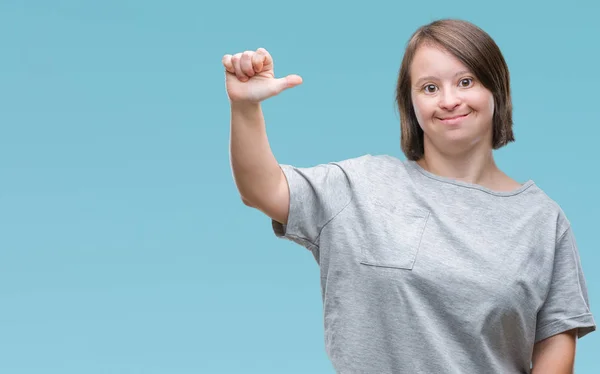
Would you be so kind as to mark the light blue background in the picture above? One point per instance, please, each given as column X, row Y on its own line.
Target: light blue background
column 124, row 247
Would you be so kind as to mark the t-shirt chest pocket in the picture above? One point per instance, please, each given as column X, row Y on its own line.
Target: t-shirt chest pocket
column 395, row 238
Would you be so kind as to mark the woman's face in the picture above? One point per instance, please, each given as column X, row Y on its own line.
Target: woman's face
column 452, row 107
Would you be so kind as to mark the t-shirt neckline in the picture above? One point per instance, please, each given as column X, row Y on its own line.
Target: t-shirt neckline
column 459, row 183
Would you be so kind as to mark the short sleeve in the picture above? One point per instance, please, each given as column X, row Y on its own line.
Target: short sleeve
column 317, row 195
column 566, row 306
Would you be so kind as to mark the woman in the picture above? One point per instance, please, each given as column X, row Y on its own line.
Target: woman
column 437, row 264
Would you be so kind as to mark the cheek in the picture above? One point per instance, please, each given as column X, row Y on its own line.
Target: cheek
column 491, row 104
column 420, row 110
column 482, row 101
column 485, row 102
column 417, row 112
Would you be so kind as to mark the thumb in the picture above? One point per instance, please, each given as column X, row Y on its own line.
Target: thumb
column 290, row 81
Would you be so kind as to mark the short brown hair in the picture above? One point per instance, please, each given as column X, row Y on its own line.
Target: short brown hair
column 478, row 52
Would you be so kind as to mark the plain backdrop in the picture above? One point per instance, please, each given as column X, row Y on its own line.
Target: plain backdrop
column 124, row 245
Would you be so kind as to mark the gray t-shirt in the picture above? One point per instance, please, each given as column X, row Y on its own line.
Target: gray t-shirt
column 425, row 274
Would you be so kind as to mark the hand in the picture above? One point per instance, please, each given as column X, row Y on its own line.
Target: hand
column 249, row 77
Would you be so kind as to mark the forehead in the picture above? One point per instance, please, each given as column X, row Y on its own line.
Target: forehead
column 434, row 61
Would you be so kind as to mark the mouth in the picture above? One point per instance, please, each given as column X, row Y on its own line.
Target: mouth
column 454, row 119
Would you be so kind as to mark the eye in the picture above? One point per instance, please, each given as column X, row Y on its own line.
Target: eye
column 466, row 82
column 430, row 88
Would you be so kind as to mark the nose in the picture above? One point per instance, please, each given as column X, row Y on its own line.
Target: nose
column 449, row 100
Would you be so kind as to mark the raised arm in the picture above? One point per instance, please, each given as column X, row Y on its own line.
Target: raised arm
column 250, row 79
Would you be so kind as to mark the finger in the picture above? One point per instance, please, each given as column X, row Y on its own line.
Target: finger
column 238, row 70
column 258, row 61
column 282, row 84
column 227, row 63
column 267, row 59
column 246, row 63
column 290, row 81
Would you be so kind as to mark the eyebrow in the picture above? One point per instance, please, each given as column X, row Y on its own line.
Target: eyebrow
column 431, row 77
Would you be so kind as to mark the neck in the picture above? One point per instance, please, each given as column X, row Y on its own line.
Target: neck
column 476, row 166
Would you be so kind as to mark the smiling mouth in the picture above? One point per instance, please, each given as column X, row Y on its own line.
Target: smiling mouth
column 453, row 118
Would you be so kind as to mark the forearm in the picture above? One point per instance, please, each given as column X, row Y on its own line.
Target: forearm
column 552, row 369
column 255, row 170
column 553, row 365
column 555, row 355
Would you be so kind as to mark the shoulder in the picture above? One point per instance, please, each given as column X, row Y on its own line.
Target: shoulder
column 546, row 206
column 373, row 164
column 373, row 173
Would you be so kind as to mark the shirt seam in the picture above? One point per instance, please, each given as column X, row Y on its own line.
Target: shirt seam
column 318, row 238
column 332, row 218
column 564, row 233
column 561, row 321
column 519, row 191
column 293, row 236
column 577, row 269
